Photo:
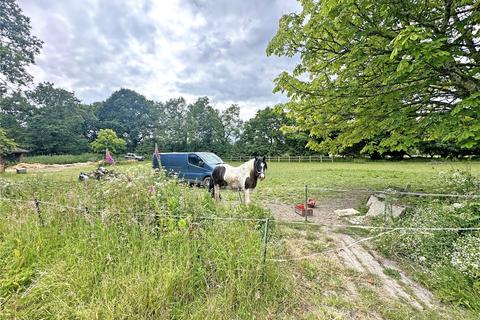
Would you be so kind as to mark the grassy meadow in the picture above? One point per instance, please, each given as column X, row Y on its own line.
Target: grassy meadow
column 119, row 251
column 285, row 181
column 113, row 252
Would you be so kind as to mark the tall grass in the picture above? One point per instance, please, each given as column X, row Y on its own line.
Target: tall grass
column 63, row 158
column 122, row 256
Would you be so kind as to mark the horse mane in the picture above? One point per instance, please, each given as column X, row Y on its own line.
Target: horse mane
column 250, row 163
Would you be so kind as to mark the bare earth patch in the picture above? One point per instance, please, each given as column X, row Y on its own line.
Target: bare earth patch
column 361, row 266
column 39, row 167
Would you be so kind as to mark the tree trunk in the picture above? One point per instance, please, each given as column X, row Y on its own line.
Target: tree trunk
column 3, row 163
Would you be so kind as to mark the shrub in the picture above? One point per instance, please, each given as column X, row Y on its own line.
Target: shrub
column 466, row 256
column 450, row 260
column 107, row 139
column 461, row 181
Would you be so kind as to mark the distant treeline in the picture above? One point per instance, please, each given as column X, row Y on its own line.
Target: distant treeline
column 49, row 120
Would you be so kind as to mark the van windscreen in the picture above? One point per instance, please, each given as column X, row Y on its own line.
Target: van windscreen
column 210, row 158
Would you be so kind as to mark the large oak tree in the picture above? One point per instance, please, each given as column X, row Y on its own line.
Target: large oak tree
column 130, row 115
column 384, row 74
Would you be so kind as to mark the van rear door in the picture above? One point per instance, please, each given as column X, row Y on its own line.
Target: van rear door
column 174, row 164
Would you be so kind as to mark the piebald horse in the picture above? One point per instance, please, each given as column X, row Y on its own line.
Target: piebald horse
column 243, row 178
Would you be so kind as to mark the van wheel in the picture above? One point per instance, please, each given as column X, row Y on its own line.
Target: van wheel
column 206, row 182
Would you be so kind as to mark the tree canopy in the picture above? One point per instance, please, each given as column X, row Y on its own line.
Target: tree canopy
column 6, row 144
column 107, row 139
column 129, row 114
column 58, row 121
column 17, row 46
column 386, row 75
column 377, row 77
column 262, row 135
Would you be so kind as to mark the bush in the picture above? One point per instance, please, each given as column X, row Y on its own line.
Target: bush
column 466, row 256
column 450, row 259
column 107, row 139
column 461, row 181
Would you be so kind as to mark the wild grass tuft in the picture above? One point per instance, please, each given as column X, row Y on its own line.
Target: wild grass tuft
column 121, row 254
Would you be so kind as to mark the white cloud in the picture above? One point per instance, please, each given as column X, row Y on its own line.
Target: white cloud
column 162, row 49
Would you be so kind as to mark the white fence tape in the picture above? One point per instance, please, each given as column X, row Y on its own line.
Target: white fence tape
column 284, row 222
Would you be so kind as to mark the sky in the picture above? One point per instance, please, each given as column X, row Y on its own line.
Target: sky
column 161, row 48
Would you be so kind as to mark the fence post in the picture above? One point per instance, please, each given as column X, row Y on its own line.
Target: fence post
column 310, row 158
column 385, row 210
column 332, row 157
column 288, row 158
column 264, row 249
column 306, row 200
column 37, row 210
column 321, row 158
column 278, row 158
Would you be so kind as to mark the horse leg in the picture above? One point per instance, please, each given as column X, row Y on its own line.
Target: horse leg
column 247, row 196
column 216, row 192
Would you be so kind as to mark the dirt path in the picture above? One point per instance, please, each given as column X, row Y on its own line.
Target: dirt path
column 349, row 255
column 39, row 167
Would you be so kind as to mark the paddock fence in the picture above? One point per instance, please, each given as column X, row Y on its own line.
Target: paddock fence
column 313, row 158
column 38, row 206
column 333, row 158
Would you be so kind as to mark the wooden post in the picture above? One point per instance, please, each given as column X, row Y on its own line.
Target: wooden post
column 278, row 159
column 321, row 158
column 310, row 158
column 385, row 210
column 306, row 200
column 264, row 249
column 37, row 210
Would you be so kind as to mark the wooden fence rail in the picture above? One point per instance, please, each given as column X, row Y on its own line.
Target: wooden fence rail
column 315, row 158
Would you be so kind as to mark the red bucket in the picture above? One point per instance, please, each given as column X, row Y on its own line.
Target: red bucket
column 300, row 209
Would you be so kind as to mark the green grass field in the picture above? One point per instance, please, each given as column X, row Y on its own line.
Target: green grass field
column 417, row 176
column 285, row 181
column 116, row 256
column 420, row 176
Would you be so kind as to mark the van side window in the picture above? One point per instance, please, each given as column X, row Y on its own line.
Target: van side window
column 194, row 160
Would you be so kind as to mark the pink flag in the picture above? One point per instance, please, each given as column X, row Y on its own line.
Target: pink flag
column 156, row 158
column 108, row 157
